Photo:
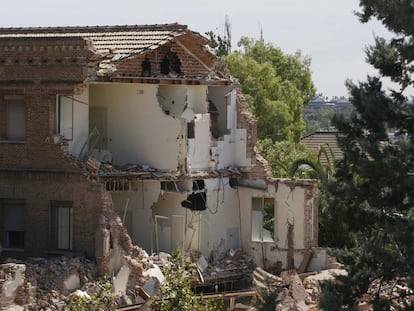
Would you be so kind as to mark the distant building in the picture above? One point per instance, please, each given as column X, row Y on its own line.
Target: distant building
column 340, row 104
column 327, row 140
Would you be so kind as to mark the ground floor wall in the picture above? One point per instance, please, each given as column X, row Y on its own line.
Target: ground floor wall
column 157, row 221
column 58, row 213
column 295, row 221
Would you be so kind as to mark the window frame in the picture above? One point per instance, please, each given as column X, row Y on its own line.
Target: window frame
column 262, row 238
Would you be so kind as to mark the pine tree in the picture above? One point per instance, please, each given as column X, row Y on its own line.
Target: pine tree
column 373, row 190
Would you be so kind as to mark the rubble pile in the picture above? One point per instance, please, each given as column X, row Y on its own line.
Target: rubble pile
column 293, row 293
column 230, row 261
column 44, row 283
column 396, row 291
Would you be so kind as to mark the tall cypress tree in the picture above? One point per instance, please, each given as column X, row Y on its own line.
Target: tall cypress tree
column 373, row 191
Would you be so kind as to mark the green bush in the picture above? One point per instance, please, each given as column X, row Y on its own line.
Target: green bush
column 175, row 293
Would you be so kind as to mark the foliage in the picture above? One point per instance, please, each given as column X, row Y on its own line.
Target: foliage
column 276, row 86
column 318, row 119
column 102, row 300
column 221, row 44
column 373, row 189
column 176, row 294
column 282, row 155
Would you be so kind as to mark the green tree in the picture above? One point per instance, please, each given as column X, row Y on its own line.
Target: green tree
column 276, row 86
column 221, row 44
column 373, row 191
column 283, row 155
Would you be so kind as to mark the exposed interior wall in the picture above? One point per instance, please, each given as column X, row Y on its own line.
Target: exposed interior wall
column 223, row 216
column 136, row 207
column 199, row 147
column 138, row 129
column 156, row 220
column 172, row 99
column 231, row 151
column 197, row 98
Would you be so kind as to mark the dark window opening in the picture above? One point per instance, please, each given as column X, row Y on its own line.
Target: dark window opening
column 14, row 239
column 171, row 64
column 190, row 129
column 214, row 115
column 233, row 182
column 146, row 67
column 12, row 222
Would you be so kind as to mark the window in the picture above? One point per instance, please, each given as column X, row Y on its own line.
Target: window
column 61, row 225
column 14, row 121
column 262, row 219
column 12, row 221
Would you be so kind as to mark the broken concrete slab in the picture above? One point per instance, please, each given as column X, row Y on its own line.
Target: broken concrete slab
column 12, row 276
column 120, row 281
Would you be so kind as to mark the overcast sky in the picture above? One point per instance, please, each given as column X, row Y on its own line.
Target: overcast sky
column 326, row 30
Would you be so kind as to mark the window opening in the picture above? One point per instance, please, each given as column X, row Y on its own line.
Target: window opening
column 13, row 214
column 190, row 129
column 146, row 67
column 262, row 219
column 61, row 224
column 171, row 64
column 14, row 121
column 65, row 116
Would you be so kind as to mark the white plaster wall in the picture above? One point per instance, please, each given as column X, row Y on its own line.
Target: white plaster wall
column 169, row 204
column 197, row 98
column 223, row 216
column 139, row 221
column 199, row 147
column 231, row 151
column 172, row 98
column 138, row 129
column 80, row 121
column 289, row 205
column 203, row 230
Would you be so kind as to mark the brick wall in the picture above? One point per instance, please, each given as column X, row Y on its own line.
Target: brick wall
column 38, row 150
column 34, row 71
column 38, row 189
column 43, row 60
column 190, row 65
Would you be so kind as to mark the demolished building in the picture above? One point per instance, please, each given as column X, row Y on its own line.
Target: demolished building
column 144, row 121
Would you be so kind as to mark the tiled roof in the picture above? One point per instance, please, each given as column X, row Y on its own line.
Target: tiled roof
column 120, row 40
column 317, row 139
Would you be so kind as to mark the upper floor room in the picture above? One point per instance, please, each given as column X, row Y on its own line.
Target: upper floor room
column 153, row 95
